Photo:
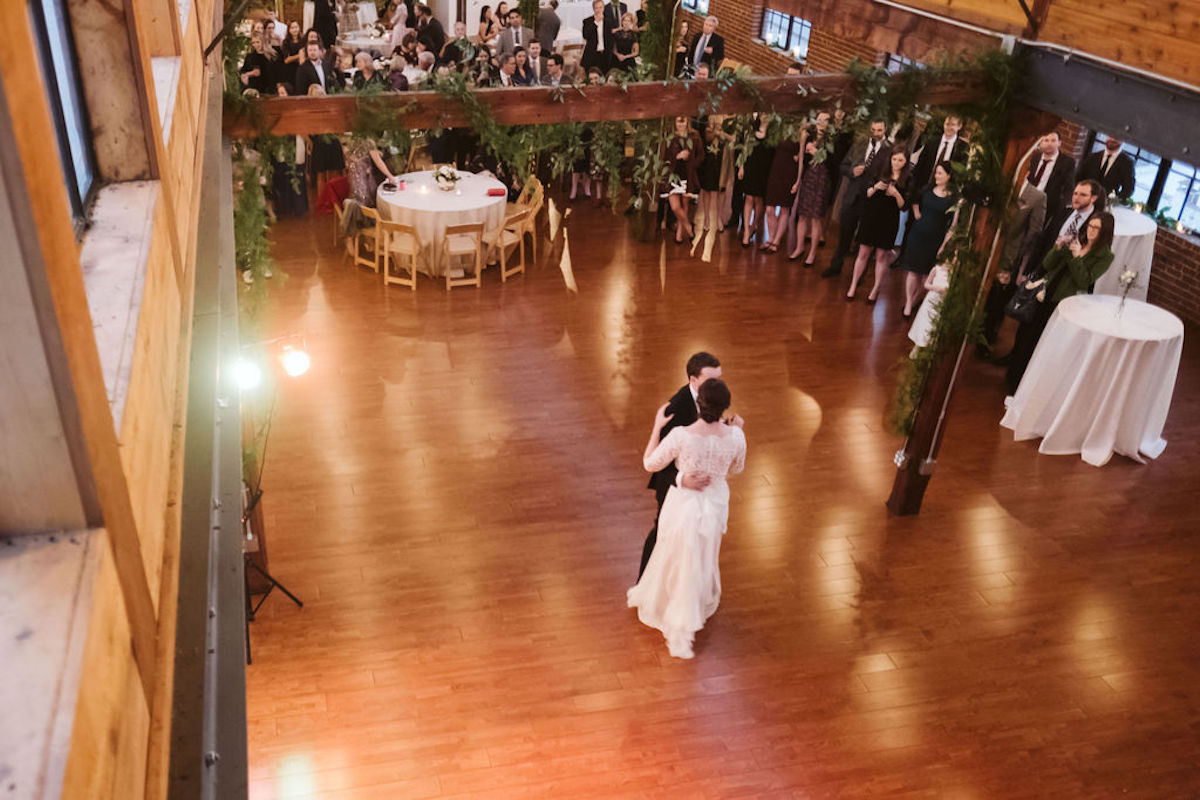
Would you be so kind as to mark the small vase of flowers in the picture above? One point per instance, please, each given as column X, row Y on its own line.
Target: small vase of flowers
column 1126, row 281
column 446, row 178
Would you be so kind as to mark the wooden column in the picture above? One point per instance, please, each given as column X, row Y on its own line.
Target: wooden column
column 924, row 442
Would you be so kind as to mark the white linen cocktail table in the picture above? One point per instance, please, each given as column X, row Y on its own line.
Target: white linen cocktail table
column 1099, row 384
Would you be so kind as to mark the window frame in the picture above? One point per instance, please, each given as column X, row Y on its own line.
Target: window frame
column 795, row 26
column 81, row 202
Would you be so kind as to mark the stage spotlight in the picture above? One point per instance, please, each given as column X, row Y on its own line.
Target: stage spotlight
column 247, row 374
column 295, row 362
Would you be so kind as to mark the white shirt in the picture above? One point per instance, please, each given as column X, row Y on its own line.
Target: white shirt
column 695, row 397
column 601, row 33
column 320, row 72
column 1078, row 217
column 1106, row 161
column 1046, row 170
column 517, row 35
column 945, row 149
column 698, row 56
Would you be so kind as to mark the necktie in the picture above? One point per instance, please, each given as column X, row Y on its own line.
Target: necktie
column 1073, row 228
column 941, row 152
column 870, row 154
column 1037, row 176
column 1105, row 165
column 517, row 37
column 700, row 49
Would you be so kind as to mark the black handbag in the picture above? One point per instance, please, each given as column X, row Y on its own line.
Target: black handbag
column 1023, row 305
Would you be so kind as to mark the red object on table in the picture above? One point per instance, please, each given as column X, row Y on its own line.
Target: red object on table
column 497, row 192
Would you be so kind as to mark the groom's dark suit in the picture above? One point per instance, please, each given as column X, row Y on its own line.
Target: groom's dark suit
column 683, row 406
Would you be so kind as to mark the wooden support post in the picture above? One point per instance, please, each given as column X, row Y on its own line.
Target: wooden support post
column 919, row 454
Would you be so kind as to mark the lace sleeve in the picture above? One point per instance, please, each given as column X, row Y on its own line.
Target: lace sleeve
column 666, row 452
column 739, row 456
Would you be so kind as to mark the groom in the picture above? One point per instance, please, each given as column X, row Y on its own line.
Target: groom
column 682, row 405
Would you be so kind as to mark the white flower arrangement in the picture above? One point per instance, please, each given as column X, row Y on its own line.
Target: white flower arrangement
column 1126, row 280
column 446, row 177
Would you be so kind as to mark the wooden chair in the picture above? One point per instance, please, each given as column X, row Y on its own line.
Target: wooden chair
column 339, row 211
column 367, row 241
column 459, row 241
column 351, row 243
column 532, row 199
column 512, row 235
column 398, row 242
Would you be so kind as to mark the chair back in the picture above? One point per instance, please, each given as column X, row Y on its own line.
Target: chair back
column 398, row 240
column 474, row 232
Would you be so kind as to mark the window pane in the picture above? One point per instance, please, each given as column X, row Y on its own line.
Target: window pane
column 1181, row 195
column 63, row 81
column 1145, row 172
column 775, row 27
column 801, row 31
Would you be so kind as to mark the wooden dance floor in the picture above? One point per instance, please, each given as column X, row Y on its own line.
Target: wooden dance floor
column 455, row 491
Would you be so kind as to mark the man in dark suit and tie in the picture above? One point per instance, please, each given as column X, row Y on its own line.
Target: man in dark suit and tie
column 682, row 406
column 858, row 168
column 514, row 36
column 708, row 46
column 1053, row 171
column 548, row 25
column 597, row 40
column 949, row 147
column 314, row 71
column 1112, row 168
column 612, row 16
column 430, row 29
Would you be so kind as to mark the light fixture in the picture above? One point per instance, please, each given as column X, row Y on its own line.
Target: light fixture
column 247, row 374
column 295, row 362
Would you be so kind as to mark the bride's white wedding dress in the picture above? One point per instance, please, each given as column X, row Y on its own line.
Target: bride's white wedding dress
column 681, row 586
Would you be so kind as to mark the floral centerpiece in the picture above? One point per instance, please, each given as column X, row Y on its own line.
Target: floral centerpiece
column 446, row 177
column 1126, row 281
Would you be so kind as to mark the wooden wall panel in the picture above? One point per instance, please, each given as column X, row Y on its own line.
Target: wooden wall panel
column 1155, row 36
column 991, row 14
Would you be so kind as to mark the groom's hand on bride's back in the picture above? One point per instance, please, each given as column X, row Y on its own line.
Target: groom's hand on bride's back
column 696, row 483
column 737, row 420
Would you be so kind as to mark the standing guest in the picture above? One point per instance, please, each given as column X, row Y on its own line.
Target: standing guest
column 327, row 160
column 708, row 46
column 932, row 213
column 1024, row 227
column 554, row 72
column 780, row 195
column 537, row 62
column 613, row 11
column 367, row 75
column 1054, row 172
column 936, row 284
column 685, row 154
column 597, row 40
column 548, row 25
column 881, row 222
column 365, row 168
column 489, row 28
column 289, row 195
column 291, row 52
column 1063, row 223
column 581, row 170
column 1112, row 168
column 315, row 71
column 812, row 187
column 682, row 63
column 625, row 44
column 325, row 21
column 430, row 29
column 708, row 212
column 753, row 174
column 948, row 147
column 257, row 70
column 399, row 23
column 858, row 170
column 515, row 35
column 522, row 74
column 1070, row 268
column 276, row 31
column 397, row 79
column 508, row 69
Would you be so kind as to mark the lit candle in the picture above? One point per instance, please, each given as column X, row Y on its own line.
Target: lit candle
column 1179, row 226
column 1137, row 207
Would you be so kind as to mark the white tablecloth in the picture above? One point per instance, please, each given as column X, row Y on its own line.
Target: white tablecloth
column 571, row 15
column 568, row 36
column 1098, row 383
column 367, row 14
column 1133, row 249
column 428, row 209
column 381, row 45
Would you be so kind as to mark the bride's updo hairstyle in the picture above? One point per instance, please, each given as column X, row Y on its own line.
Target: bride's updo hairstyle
column 713, row 399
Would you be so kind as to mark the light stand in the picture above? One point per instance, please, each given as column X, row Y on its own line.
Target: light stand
column 249, row 549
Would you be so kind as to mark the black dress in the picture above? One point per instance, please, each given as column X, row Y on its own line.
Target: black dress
column 262, row 82
column 623, row 42
column 325, row 22
column 758, row 168
column 880, row 220
column 782, row 176
column 710, row 168
column 327, row 154
column 285, row 72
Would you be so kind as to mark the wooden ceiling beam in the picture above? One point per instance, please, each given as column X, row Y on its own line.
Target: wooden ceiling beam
column 289, row 116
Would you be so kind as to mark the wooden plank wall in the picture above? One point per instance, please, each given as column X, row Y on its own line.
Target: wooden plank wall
column 1147, row 34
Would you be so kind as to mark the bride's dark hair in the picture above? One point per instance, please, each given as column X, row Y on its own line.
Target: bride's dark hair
column 713, row 398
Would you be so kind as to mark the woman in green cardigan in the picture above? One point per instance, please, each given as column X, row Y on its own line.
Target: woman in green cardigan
column 1071, row 268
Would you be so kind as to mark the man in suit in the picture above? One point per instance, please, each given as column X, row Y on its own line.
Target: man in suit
column 1053, row 172
column 948, row 147
column 612, row 16
column 537, row 62
column 548, row 25
column 515, row 35
column 1112, row 168
column 430, row 29
column 708, row 46
column 684, row 410
column 315, row 71
column 1024, row 228
column 507, row 68
column 597, row 40
column 554, row 72
column 862, row 163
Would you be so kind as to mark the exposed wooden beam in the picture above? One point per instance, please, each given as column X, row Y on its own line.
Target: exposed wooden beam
column 421, row 110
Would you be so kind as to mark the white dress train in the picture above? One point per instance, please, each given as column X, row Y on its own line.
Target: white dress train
column 681, row 587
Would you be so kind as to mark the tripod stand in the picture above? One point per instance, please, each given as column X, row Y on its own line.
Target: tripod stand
column 252, row 607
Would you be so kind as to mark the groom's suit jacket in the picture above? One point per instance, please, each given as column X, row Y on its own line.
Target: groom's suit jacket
column 684, row 408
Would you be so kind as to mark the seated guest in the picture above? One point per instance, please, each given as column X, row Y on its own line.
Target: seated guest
column 554, row 72
column 367, row 75
column 482, row 73
column 425, row 65
column 1071, row 268
column 508, row 68
column 429, row 28
column 459, row 48
column 1112, row 168
column 397, row 79
column 537, row 62
column 315, row 71
column 522, row 74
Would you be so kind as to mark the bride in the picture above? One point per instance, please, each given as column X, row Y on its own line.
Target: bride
column 681, row 586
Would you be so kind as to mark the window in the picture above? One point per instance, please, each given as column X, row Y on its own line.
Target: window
column 785, row 32
column 696, row 6
column 59, row 67
column 1181, row 195
column 894, row 63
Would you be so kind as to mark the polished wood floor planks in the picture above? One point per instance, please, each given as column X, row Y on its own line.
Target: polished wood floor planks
column 455, row 491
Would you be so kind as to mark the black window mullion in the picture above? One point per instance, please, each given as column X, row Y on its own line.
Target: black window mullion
column 1160, row 182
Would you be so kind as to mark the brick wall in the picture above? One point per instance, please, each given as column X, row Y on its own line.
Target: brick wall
column 741, row 24
column 1175, row 275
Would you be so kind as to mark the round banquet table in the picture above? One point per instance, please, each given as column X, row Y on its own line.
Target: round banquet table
column 358, row 41
column 567, row 36
column 428, row 209
column 1099, row 384
column 1133, row 249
